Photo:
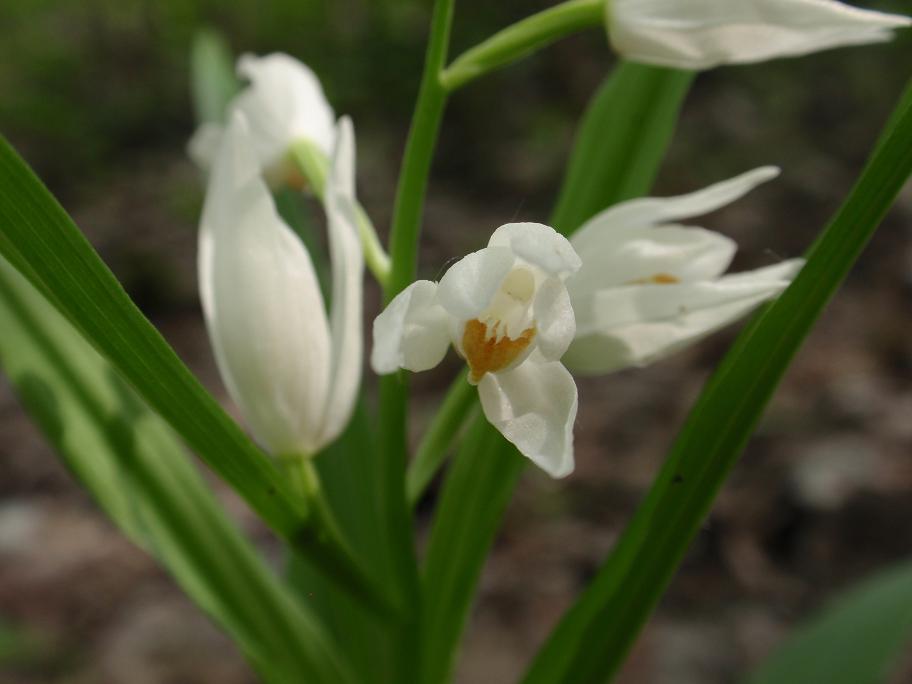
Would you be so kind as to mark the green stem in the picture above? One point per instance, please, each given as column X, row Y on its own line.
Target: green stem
column 376, row 258
column 314, row 166
column 419, row 150
column 523, row 38
column 449, row 419
column 413, row 180
column 324, row 536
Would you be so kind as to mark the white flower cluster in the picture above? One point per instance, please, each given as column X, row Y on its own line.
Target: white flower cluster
column 630, row 287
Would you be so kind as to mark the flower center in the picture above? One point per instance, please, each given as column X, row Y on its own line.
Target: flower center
column 489, row 353
column 505, row 329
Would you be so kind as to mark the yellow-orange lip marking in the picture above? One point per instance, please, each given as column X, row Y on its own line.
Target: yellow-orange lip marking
column 657, row 279
column 489, row 355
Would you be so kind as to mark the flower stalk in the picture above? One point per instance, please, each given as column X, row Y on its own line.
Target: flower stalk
column 323, row 535
column 313, row 166
column 523, row 38
column 438, row 439
column 393, row 390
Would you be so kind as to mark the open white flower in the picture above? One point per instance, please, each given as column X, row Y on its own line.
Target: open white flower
column 283, row 104
column 629, row 288
column 292, row 370
column 700, row 34
column 507, row 312
column 648, row 287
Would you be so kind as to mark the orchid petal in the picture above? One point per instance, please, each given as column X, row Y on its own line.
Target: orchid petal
column 554, row 319
column 283, row 103
column 262, row 303
column 538, row 244
column 639, row 324
column 630, row 255
column 413, row 332
column 653, row 211
column 534, row 406
column 204, row 144
column 470, row 284
column 700, row 34
column 347, row 274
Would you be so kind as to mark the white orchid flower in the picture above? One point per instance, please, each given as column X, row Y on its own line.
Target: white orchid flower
column 506, row 311
column 628, row 289
column 700, row 34
column 648, row 287
column 283, row 104
column 292, row 370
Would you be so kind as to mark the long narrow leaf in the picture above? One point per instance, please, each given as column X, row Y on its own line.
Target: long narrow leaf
column 441, row 434
column 137, row 471
column 40, row 239
column 475, row 494
column 213, row 81
column 593, row 638
column 348, row 469
column 626, row 96
column 61, row 263
column 621, row 141
column 855, row 640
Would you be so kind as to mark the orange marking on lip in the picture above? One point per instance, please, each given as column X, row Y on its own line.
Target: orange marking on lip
column 488, row 355
column 657, row 279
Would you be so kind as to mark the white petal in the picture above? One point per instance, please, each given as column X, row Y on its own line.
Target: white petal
column 204, row 144
column 699, row 34
column 262, row 304
column 470, row 284
column 553, row 314
column 413, row 332
column 283, row 103
column 534, row 407
column 347, row 275
column 637, row 255
column 636, row 325
column 653, row 211
column 538, row 244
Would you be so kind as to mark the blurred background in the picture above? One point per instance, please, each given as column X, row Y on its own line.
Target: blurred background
column 95, row 96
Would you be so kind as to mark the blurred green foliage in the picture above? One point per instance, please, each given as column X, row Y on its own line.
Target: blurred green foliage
column 86, row 85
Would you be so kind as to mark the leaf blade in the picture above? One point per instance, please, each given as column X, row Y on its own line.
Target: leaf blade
column 715, row 433
column 475, row 494
column 213, row 82
column 62, row 264
column 134, row 467
column 854, row 640
column 621, row 141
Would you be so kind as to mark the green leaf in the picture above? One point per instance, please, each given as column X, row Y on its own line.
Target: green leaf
column 393, row 389
column 349, row 472
column 440, row 436
column 213, row 82
column 621, row 141
column 40, row 240
column 475, row 494
column 855, row 640
column 592, row 639
column 487, row 466
column 135, row 468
